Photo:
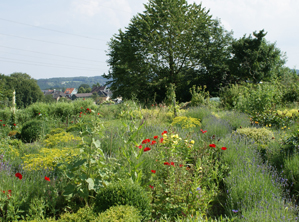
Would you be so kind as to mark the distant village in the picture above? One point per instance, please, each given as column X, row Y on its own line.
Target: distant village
column 101, row 92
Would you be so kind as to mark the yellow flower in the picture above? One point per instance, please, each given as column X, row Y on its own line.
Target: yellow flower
column 269, row 125
column 256, row 122
column 192, row 141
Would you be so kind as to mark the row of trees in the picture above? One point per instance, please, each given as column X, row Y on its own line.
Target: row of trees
column 173, row 42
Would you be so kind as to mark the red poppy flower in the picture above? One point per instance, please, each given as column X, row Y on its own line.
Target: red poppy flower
column 152, row 187
column 18, row 175
column 153, row 171
column 212, row 145
column 181, row 165
column 161, row 140
column 166, row 163
column 47, row 178
column 155, row 137
column 164, row 132
column 0, row 120
column 14, row 124
column 9, row 192
column 139, row 146
column 146, row 149
column 81, row 107
column 3, row 124
column 87, row 109
column 153, row 142
column 98, row 113
column 223, row 148
column 152, row 104
column 79, row 116
column 172, row 163
column 203, row 131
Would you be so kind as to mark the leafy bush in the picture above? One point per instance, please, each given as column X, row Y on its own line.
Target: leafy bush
column 32, row 130
column 48, row 158
column 62, row 139
column 5, row 114
column 121, row 213
column 123, row 193
column 199, row 96
column 186, row 122
column 259, row 135
column 252, row 97
column 82, row 215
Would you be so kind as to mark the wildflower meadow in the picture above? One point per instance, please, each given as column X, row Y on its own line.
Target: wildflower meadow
column 133, row 162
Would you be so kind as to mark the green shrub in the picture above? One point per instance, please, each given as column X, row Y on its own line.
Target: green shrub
column 199, row 96
column 32, row 130
column 5, row 114
column 123, row 193
column 259, row 135
column 82, row 215
column 121, row 213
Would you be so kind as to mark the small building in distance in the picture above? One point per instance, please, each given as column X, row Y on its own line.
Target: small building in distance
column 69, row 92
column 102, row 91
column 81, row 95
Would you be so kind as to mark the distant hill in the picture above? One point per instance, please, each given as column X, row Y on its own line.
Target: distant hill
column 69, row 82
column 297, row 70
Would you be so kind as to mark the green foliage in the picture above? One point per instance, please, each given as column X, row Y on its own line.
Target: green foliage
column 259, row 135
column 27, row 90
column 251, row 98
column 276, row 118
column 123, row 193
column 82, row 215
column 254, row 59
column 199, row 96
column 90, row 171
column 171, row 42
column 33, row 130
column 120, row 213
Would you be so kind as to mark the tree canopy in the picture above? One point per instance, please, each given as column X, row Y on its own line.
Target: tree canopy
column 171, row 42
column 27, row 90
column 255, row 59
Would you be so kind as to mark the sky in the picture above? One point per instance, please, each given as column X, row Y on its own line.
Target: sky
column 68, row 38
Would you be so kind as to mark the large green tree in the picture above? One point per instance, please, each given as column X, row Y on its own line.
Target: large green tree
column 171, row 42
column 254, row 59
column 27, row 90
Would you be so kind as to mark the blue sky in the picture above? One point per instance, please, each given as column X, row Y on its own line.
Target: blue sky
column 27, row 45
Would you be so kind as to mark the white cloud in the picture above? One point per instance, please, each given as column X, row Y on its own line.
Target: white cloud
column 113, row 12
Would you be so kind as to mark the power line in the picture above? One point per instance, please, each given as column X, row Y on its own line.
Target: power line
column 43, row 58
column 47, row 64
column 53, row 30
column 50, row 54
column 51, row 42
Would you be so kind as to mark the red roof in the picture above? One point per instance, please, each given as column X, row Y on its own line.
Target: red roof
column 69, row 90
